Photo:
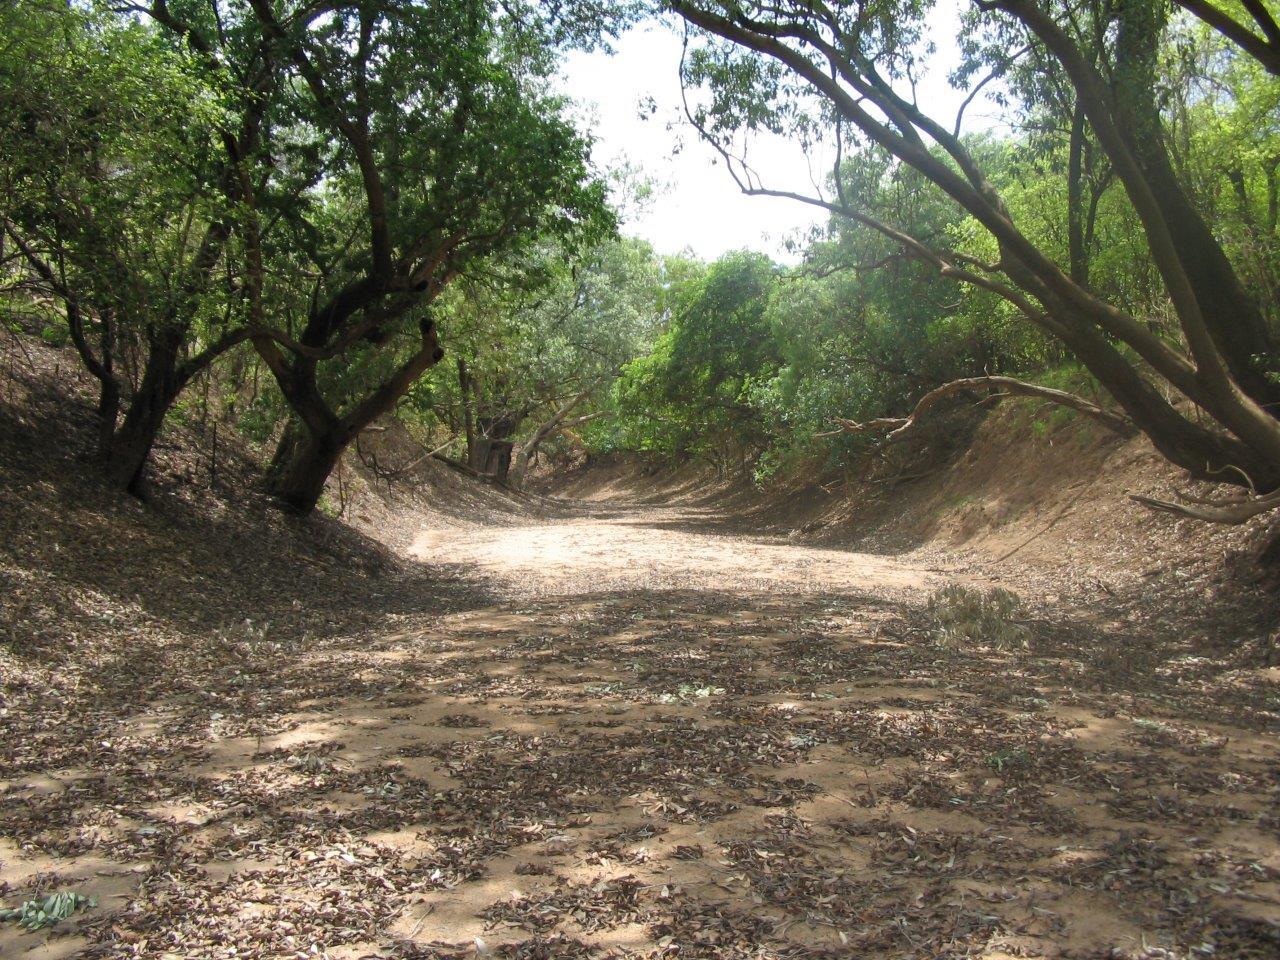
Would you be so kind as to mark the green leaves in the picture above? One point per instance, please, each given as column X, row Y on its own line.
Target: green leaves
column 693, row 392
column 48, row 910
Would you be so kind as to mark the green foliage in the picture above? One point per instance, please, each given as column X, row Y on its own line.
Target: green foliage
column 697, row 391
column 756, row 361
column 407, row 172
column 48, row 910
column 549, row 335
column 107, row 145
column 428, row 153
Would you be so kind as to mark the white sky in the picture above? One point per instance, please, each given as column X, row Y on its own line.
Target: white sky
column 701, row 207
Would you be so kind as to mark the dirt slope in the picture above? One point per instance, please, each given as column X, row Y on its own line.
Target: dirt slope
column 1040, row 505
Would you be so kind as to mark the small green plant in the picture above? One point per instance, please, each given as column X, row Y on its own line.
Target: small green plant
column 48, row 910
column 54, row 335
column 962, row 616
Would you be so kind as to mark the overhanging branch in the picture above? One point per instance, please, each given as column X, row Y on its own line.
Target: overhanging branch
column 899, row 427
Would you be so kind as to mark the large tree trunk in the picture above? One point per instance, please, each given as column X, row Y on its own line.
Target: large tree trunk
column 490, row 448
column 491, row 458
column 309, row 451
column 1204, row 453
column 1232, row 316
column 128, row 448
column 301, row 472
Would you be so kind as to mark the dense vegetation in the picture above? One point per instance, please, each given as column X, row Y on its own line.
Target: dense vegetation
column 378, row 207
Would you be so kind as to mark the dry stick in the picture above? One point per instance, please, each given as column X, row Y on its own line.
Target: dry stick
column 213, row 458
column 898, row 426
column 342, row 490
column 400, row 471
column 397, row 472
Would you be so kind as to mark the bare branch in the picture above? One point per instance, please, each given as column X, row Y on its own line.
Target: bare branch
column 899, row 427
column 1229, row 510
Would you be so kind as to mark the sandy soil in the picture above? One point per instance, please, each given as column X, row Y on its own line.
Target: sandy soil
column 633, row 736
column 639, row 547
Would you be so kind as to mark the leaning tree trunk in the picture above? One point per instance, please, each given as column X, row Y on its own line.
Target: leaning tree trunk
column 1233, row 316
column 301, row 473
column 520, row 465
column 128, row 449
column 125, row 451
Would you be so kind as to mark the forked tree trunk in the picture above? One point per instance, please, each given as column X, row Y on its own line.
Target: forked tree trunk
column 529, row 449
column 125, row 451
column 300, row 475
column 309, row 451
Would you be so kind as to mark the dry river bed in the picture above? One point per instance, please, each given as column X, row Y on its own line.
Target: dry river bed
column 647, row 741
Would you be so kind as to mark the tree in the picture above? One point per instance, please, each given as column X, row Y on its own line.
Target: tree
column 416, row 143
column 543, row 354
column 121, row 204
column 1247, row 23
column 860, row 327
column 805, row 63
column 693, row 393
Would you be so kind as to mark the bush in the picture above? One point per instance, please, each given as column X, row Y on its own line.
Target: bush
column 961, row 616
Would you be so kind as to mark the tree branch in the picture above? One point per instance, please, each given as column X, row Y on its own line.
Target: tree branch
column 899, row 427
column 1265, row 51
column 1230, row 510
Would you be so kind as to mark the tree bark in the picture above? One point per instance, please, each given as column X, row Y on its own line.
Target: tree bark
column 130, row 446
column 1078, row 250
column 490, row 450
column 492, row 458
column 302, row 473
column 520, row 465
column 308, row 453
column 1233, row 318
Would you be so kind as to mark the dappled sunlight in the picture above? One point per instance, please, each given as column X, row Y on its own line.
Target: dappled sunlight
column 596, row 767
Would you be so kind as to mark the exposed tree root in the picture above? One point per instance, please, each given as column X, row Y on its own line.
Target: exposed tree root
column 898, row 427
column 1230, row 509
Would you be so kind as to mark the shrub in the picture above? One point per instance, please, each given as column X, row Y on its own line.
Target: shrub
column 962, row 616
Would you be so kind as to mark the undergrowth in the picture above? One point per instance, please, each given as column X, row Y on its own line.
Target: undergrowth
column 961, row 616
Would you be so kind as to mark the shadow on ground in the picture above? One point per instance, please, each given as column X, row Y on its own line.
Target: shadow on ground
column 609, row 735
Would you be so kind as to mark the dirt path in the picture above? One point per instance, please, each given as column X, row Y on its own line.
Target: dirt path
column 648, row 548
column 653, row 741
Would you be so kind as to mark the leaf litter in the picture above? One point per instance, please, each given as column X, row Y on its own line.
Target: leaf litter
column 345, row 753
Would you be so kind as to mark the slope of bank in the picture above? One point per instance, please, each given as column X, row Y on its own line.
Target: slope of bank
column 1040, row 503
